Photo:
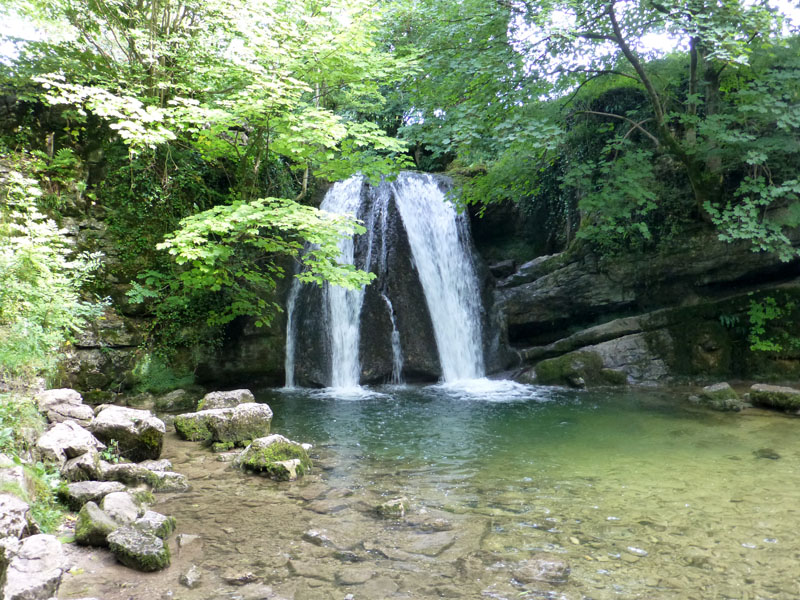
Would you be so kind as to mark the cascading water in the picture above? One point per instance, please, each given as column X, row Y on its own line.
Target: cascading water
column 344, row 305
column 425, row 261
column 438, row 238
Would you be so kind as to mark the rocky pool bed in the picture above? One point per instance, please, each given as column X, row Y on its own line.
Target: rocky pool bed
column 508, row 492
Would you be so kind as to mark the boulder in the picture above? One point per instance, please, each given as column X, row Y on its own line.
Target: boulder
column 75, row 495
column 135, row 474
column 274, row 456
column 34, row 569
column 138, row 549
column 577, row 369
column 86, row 467
column 139, row 434
column 775, row 396
column 229, row 399
column 64, row 404
column 722, row 397
column 156, row 523
column 393, row 509
column 122, row 507
column 13, row 516
column 66, row 440
column 242, row 423
column 93, row 525
column 544, row 569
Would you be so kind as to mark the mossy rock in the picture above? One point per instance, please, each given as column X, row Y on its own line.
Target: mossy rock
column 156, row 523
column 138, row 549
column 193, row 427
column 93, row 526
column 774, row 396
column 577, row 369
column 722, row 397
column 395, row 508
column 268, row 456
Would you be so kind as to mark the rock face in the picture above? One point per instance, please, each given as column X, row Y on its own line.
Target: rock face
column 235, row 425
column 139, row 434
column 651, row 316
column 138, row 549
column 275, row 457
column 34, row 570
column 64, row 404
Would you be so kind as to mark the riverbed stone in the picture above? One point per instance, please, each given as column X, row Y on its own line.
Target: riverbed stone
column 34, row 570
column 140, row 550
column 93, row 525
column 137, row 473
column 14, row 514
column 228, row 399
column 139, row 434
column 543, row 569
column 86, row 467
column 775, row 396
column 122, row 507
column 393, row 509
column 269, row 456
column 75, row 495
column 66, row 440
column 191, row 578
column 64, row 404
column 156, row 523
column 722, row 397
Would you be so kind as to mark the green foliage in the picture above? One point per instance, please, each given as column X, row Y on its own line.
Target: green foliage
column 41, row 277
column 770, row 324
column 153, row 374
column 111, row 453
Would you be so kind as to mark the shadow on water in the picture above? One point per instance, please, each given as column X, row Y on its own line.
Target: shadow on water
column 642, row 495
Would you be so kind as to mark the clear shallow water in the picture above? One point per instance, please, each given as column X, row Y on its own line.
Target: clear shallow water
column 641, row 494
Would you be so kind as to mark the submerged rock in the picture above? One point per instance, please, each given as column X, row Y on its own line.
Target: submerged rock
column 775, row 396
column 229, row 399
column 721, row 396
column 394, row 508
column 94, row 525
column 547, row 570
column 138, row 549
column 275, row 457
column 138, row 433
column 34, row 569
column 191, row 578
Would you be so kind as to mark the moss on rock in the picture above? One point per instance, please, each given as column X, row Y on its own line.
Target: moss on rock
column 774, row 396
column 577, row 369
column 267, row 455
column 140, row 550
column 192, row 427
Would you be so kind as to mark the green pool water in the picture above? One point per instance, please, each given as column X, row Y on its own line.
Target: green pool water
column 641, row 494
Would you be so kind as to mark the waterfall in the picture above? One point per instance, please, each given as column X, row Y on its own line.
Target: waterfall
column 439, row 244
column 344, row 305
column 291, row 301
column 397, row 351
column 418, row 246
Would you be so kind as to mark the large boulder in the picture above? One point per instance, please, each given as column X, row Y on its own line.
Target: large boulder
column 577, row 369
column 13, row 516
column 75, row 495
column 139, row 549
column 242, row 423
column 775, row 396
column 66, row 440
column 275, row 457
column 64, row 404
column 139, row 434
column 34, row 569
column 229, row 399
column 93, row 525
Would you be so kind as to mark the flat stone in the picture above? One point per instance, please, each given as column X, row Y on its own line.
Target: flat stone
column 35, row 569
column 354, row 575
column 139, row 549
column 310, row 569
column 79, row 493
column 13, row 516
column 228, row 399
column 122, row 507
column 775, row 396
column 430, row 544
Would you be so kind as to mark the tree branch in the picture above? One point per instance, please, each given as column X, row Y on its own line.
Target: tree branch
column 634, row 124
